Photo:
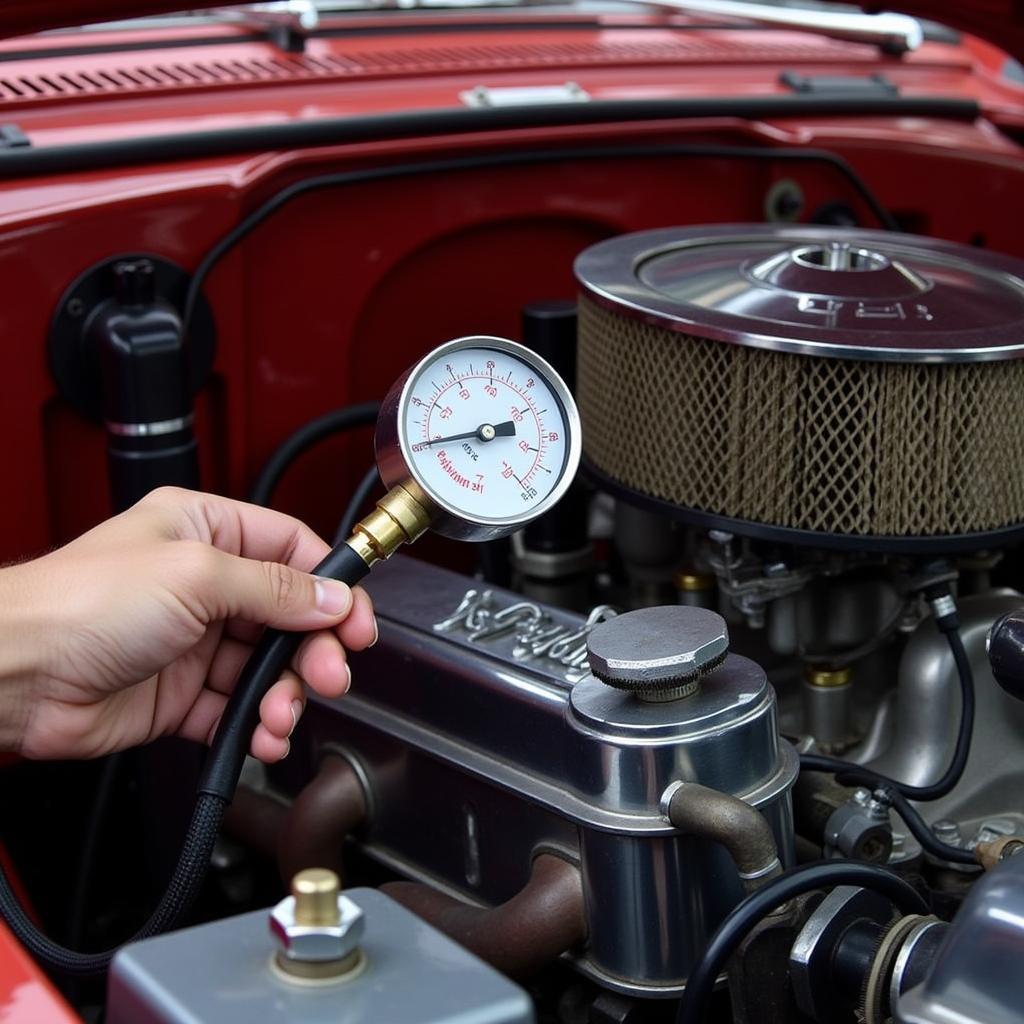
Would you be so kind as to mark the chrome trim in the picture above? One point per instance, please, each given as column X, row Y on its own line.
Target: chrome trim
column 895, row 33
column 154, row 429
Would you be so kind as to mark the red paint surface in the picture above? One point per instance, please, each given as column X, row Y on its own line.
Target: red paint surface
column 26, row 994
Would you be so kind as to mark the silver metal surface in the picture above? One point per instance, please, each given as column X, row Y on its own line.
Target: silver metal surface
column 918, row 734
column 317, row 943
column 652, row 646
column 895, row 33
column 524, row 96
column 538, row 636
column 859, row 829
column 221, row 973
column 834, row 292
column 156, row 429
column 826, row 715
column 976, row 975
column 396, row 467
column 916, row 952
column 452, row 730
column 815, row 944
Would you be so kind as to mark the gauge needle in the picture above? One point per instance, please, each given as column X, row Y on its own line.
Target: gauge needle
column 485, row 432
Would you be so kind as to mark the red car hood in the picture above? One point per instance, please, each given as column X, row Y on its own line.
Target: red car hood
column 999, row 21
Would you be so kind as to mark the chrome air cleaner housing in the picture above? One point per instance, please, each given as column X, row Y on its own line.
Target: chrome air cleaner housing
column 837, row 387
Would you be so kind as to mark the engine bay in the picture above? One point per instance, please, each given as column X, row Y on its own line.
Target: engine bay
column 725, row 726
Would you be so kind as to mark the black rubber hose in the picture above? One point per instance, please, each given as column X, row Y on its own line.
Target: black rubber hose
column 270, row 658
column 771, row 896
column 179, row 896
column 223, row 766
column 358, row 500
column 335, row 422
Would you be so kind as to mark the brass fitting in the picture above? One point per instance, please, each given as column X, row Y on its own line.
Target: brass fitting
column 827, row 678
column 317, row 929
column 402, row 515
column 988, row 855
column 689, row 582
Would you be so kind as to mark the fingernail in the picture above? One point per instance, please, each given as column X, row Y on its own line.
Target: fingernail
column 332, row 597
column 287, row 749
column 296, row 711
column 348, row 681
column 376, row 633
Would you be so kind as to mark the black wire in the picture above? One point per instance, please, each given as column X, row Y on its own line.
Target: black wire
column 848, row 773
column 771, row 896
column 361, row 496
column 309, row 434
column 298, row 188
column 179, row 896
column 901, row 793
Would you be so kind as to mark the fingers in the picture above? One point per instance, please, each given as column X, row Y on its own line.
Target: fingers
column 280, row 711
column 268, row 592
column 359, row 630
column 239, row 528
column 321, row 662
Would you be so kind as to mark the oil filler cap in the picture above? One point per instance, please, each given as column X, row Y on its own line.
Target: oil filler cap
column 659, row 654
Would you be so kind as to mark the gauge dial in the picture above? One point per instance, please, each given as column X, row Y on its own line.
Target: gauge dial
column 489, row 432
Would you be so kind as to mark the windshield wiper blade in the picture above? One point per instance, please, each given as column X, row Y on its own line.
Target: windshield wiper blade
column 894, row 33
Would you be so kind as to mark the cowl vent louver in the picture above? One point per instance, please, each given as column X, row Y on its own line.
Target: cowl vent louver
column 87, row 77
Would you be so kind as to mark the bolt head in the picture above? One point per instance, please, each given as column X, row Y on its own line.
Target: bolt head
column 317, row 942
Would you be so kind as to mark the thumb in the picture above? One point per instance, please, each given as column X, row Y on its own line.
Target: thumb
column 278, row 595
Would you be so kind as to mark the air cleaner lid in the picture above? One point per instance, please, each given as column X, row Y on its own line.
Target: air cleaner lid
column 837, row 292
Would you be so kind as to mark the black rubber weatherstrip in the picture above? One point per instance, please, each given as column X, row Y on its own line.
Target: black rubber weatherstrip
column 459, row 121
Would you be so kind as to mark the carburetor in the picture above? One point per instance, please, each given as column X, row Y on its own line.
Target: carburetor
column 479, row 755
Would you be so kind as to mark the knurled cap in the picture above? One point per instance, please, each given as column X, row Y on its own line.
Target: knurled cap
column 655, row 649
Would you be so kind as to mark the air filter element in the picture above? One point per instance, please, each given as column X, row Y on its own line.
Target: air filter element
column 811, row 385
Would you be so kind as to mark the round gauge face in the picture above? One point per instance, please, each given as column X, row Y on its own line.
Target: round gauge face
column 485, row 432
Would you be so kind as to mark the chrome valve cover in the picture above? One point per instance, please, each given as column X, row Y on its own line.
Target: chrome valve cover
column 483, row 742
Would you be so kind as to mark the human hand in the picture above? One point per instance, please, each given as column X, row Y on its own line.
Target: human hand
column 139, row 628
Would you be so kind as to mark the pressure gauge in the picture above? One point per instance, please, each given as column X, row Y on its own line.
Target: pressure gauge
column 486, row 430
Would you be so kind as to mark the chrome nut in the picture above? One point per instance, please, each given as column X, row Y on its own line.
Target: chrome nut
column 321, row 942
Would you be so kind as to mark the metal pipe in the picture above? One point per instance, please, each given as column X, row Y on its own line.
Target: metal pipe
column 320, row 817
column 699, row 811
column 519, row 937
column 310, row 830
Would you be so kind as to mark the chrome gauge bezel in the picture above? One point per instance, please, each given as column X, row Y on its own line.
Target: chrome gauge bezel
column 393, row 447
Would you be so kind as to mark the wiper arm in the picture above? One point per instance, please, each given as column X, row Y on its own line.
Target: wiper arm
column 894, row 33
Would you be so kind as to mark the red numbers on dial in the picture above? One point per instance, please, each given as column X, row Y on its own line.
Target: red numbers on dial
column 552, row 436
column 516, row 414
column 446, row 412
column 463, row 394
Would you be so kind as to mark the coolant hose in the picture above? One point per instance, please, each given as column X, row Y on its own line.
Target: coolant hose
column 217, row 783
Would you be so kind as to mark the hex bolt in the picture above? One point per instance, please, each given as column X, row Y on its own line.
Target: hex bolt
column 317, row 929
column 947, row 831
